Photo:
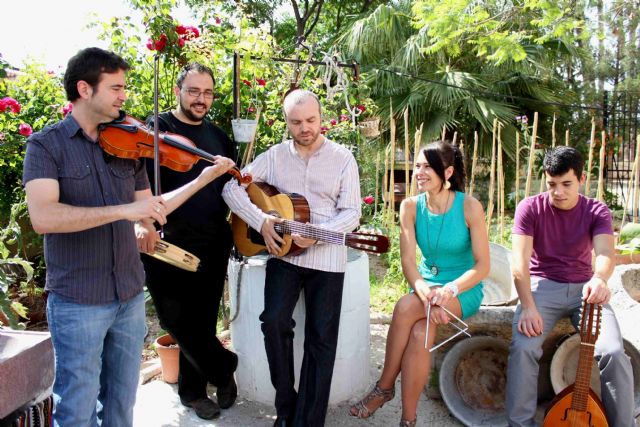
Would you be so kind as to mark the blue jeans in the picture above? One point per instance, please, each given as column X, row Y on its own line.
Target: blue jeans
column 97, row 350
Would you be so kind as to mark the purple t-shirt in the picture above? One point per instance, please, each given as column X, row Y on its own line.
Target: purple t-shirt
column 562, row 239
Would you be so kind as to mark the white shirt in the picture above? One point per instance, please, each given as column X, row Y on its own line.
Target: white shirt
column 329, row 181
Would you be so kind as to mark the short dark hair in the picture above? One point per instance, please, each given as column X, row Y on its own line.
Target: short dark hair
column 198, row 68
column 441, row 155
column 561, row 160
column 88, row 65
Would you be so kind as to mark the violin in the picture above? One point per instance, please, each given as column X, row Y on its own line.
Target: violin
column 129, row 138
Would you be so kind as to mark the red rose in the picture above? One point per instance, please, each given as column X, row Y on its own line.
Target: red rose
column 218, row 21
column 181, row 42
column 333, row 122
column 324, row 130
column 192, row 32
column 181, row 29
column 251, row 109
column 161, row 43
column 261, row 82
column 368, row 200
column 12, row 104
column 67, row 109
column 344, row 118
column 361, row 108
column 25, row 129
column 247, row 82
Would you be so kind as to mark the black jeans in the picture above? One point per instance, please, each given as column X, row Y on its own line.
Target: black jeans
column 323, row 300
column 187, row 304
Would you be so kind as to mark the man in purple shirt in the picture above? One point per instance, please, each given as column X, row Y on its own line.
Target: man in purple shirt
column 553, row 235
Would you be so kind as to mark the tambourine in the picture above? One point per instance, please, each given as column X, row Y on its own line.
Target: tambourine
column 174, row 255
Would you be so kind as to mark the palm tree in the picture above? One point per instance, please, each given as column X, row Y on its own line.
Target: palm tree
column 450, row 75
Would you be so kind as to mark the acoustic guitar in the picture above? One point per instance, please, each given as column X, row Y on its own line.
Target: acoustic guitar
column 578, row 405
column 294, row 209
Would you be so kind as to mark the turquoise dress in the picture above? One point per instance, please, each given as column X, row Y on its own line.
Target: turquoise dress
column 451, row 253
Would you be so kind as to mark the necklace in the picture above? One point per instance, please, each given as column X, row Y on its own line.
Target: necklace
column 433, row 253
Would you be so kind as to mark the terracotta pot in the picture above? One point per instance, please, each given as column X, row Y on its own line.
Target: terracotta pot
column 169, row 354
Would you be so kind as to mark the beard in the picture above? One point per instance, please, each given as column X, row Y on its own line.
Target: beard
column 308, row 140
column 186, row 110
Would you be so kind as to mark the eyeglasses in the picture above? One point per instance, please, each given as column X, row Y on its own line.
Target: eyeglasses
column 461, row 330
column 207, row 94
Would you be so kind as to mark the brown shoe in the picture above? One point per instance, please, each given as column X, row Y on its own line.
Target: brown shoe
column 375, row 399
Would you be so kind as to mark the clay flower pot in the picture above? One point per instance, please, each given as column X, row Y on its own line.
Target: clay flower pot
column 169, row 354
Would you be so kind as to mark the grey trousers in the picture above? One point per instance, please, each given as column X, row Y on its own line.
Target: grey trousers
column 555, row 300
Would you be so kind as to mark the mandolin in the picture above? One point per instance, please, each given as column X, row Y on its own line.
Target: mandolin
column 578, row 405
column 294, row 209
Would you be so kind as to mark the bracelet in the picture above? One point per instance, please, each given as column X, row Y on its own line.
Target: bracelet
column 452, row 287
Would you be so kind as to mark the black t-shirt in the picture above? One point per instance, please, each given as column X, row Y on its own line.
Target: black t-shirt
column 206, row 209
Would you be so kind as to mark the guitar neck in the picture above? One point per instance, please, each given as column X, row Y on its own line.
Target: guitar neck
column 311, row 232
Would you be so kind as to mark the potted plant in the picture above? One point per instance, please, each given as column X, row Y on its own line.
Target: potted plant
column 244, row 129
column 169, row 354
column 369, row 124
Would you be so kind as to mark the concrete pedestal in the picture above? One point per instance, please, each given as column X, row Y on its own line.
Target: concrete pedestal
column 351, row 371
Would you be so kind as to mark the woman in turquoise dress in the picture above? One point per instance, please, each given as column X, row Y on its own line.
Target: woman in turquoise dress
column 449, row 228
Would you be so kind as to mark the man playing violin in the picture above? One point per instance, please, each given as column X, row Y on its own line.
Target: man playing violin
column 553, row 236
column 85, row 203
column 326, row 174
column 186, row 302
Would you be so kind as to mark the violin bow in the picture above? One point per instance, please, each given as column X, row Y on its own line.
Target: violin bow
column 156, row 136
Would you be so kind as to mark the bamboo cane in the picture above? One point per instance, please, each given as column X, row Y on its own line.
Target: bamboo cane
column 566, row 138
column 474, row 161
column 517, row 179
column 631, row 185
column 375, row 196
column 407, row 153
column 532, row 150
column 385, row 183
column 636, row 188
column 492, row 176
column 416, row 153
column 587, row 188
column 600, row 194
column 444, row 132
column 392, row 164
column 248, row 154
column 500, row 185
column 553, row 132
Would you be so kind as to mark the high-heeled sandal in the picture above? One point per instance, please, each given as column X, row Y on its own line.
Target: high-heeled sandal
column 360, row 410
column 406, row 423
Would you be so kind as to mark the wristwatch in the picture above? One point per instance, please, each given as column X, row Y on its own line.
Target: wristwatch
column 452, row 287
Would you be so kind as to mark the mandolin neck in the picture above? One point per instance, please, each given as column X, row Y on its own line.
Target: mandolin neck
column 311, row 232
column 583, row 377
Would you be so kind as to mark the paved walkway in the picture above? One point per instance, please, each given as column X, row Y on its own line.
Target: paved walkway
column 158, row 405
